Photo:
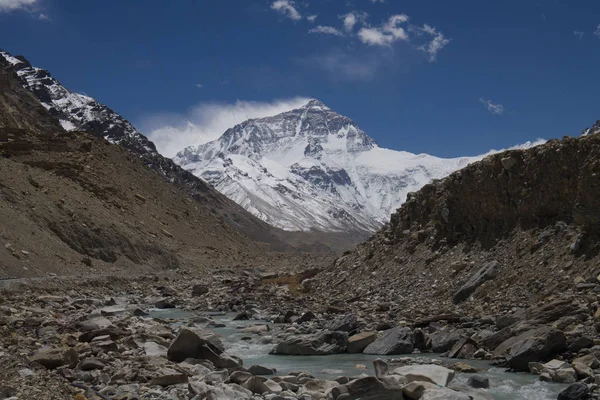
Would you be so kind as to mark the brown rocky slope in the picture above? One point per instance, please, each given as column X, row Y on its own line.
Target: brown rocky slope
column 72, row 203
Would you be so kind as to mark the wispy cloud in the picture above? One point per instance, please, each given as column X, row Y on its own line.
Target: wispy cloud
column 351, row 19
column 286, row 8
column 14, row 5
column 377, row 1
column 496, row 109
column 344, row 65
column 199, row 85
column 327, row 30
column 578, row 34
column 597, row 31
column 44, row 17
column 312, row 18
column 386, row 34
column 172, row 132
column 437, row 41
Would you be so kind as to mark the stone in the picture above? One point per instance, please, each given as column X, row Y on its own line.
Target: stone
column 565, row 375
column 53, row 358
column 262, row 385
column 583, row 371
column 307, row 316
column 435, row 374
column 464, row 368
column 168, row 377
column 260, row 370
column 487, row 272
column 199, row 290
column 381, row 368
column 464, row 348
column 443, row 340
column 399, row 340
column 582, row 342
column 164, row 304
column 189, row 344
column 216, row 377
column 153, row 349
column 322, row 343
column 588, row 360
column 317, row 388
column 508, row 162
column 577, row 391
column 367, row 388
column 346, row 323
column 444, row 394
column 357, row 343
column 228, row 392
column 531, row 346
column 26, row 373
column 415, row 390
column 478, row 382
column 239, row 377
column 90, row 364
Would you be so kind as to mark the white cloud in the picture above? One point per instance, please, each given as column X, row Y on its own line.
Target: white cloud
column 199, row 85
column 44, row 17
column 496, row 109
column 437, row 43
column 286, row 7
column 579, row 34
column 172, row 132
column 345, row 65
column 327, row 30
column 387, row 33
column 597, row 31
column 377, row 1
column 13, row 5
column 312, row 18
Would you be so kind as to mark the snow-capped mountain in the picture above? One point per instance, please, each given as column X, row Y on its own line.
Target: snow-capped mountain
column 312, row 168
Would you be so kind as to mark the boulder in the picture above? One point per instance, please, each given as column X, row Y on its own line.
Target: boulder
column 582, row 342
column 381, row 367
column 216, row 377
column 464, row 348
column 435, row 374
column 577, row 391
column 322, row 343
column 194, row 344
column 368, row 388
column 444, row 394
column 262, row 385
column 415, row 390
column 346, row 323
column 90, row 364
column 239, row 377
column 164, row 304
column 478, row 382
column 260, row 370
column 533, row 345
column 487, row 272
column 307, row 316
column 153, row 349
column 565, row 375
column 168, row 377
column 199, row 290
column 399, row 340
column 228, row 392
column 473, row 393
column 317, row 388
column 357, row 343
column 444, row 339
column 53, row 358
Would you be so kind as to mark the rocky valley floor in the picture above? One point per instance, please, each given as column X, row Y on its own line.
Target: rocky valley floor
column 164, row 337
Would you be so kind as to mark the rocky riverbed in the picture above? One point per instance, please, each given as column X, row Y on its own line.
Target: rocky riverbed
column 177, row 336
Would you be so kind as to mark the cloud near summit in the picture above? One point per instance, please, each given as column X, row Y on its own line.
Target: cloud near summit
column 172, row 132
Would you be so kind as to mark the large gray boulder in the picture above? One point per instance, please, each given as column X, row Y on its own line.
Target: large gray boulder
column 444, row 394
column 444, row 339
column 357, row 343
column 399, row 340
column 531, row 346
column 435, row 374
column 346, row 323
column 369, row 388
column 322, row 343
column 486, row 273
column 198, row 344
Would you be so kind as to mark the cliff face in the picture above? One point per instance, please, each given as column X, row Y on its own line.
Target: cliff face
column 534, row 212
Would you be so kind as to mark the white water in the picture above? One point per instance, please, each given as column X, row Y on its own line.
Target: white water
column 503, row 385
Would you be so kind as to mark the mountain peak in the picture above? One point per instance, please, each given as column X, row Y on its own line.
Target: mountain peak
column 314, row 103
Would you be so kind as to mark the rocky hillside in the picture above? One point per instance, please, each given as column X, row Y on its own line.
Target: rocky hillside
column 78, row 112
column 516, row 229
column 71, row 202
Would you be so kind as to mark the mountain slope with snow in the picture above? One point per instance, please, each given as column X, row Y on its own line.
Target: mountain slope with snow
column 313, row 169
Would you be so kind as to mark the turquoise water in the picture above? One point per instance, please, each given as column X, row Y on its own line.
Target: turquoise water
column 504, row 386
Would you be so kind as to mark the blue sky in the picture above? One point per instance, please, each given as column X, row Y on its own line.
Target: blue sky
column 448, row 78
